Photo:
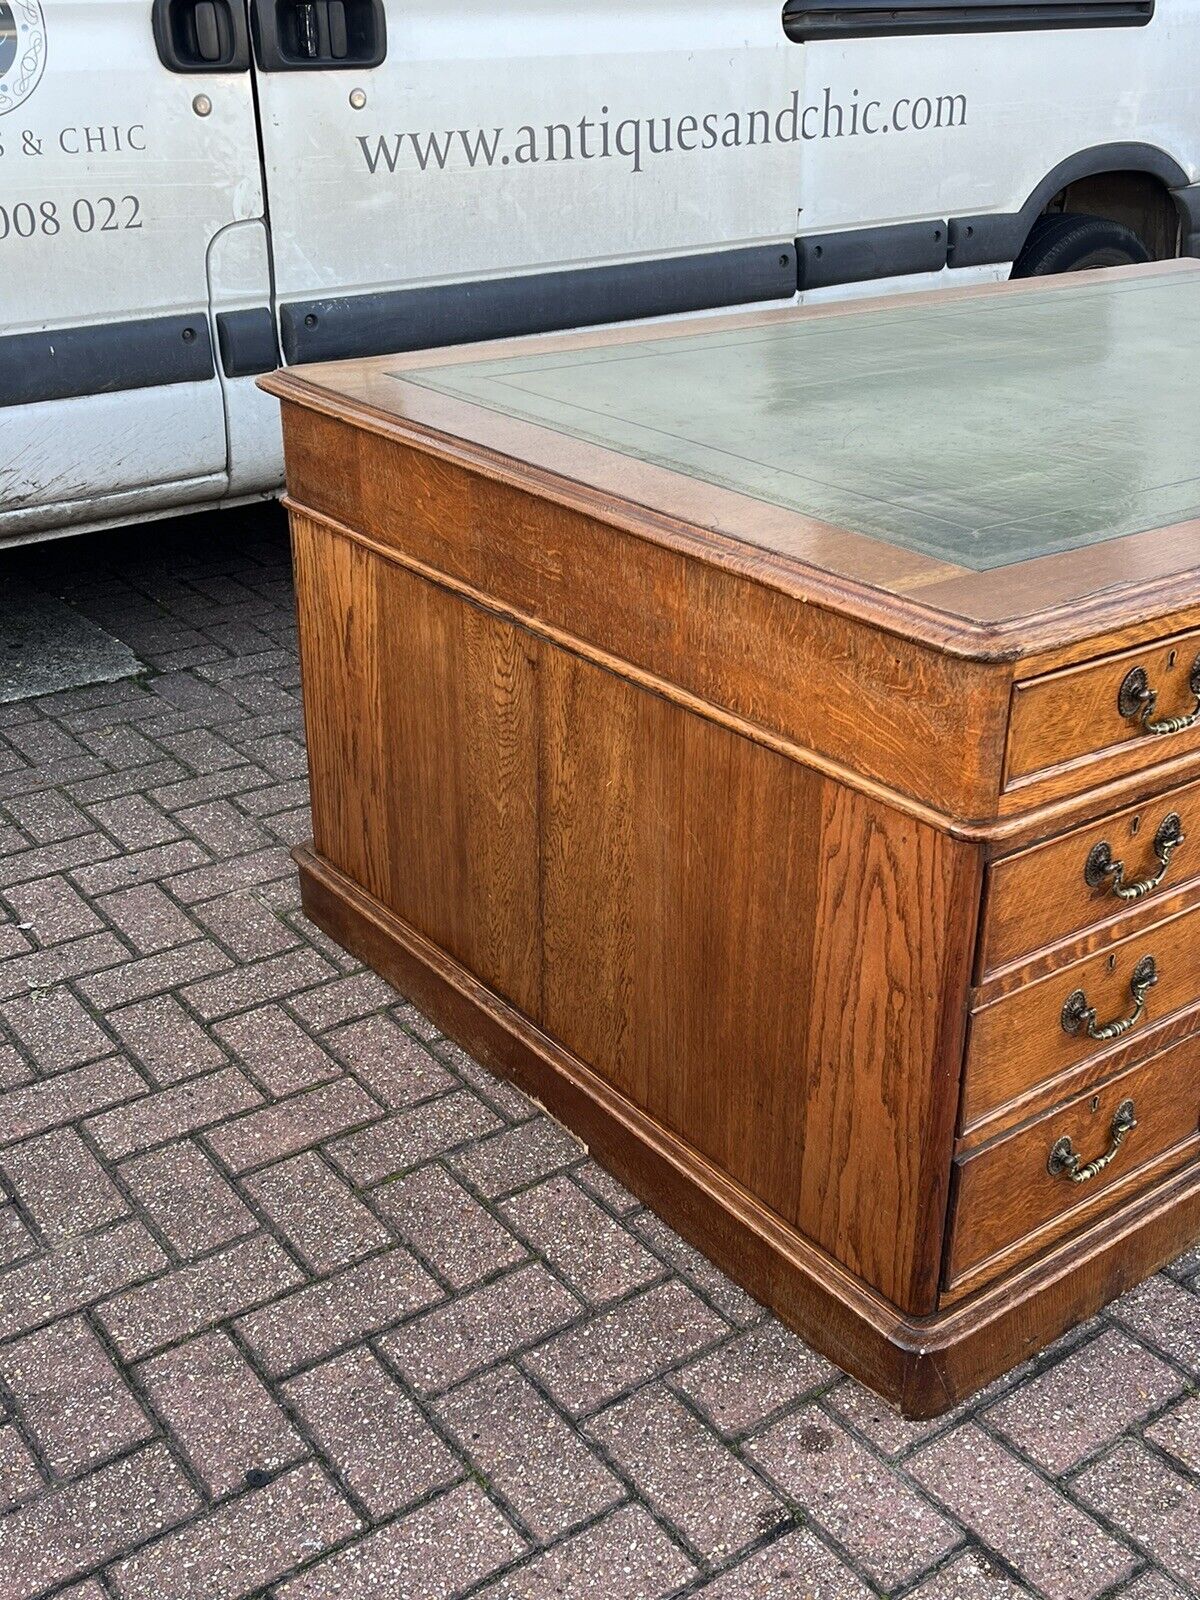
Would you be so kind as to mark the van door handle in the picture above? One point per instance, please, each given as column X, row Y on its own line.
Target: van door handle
column 318, row 35
column 201, row 35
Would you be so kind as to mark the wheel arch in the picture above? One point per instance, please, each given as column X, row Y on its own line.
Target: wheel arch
column 999, row 236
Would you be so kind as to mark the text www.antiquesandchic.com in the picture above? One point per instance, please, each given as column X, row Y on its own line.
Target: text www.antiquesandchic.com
column 636, row 140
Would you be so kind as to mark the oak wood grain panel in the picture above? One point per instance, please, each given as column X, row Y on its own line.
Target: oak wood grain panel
column 1008, row 1205
column 1063, row 719
column 424, row 747
column 1019, row 1041
column 762, row 959
column 343, row 663
column 1039, row 897
column 887, row 707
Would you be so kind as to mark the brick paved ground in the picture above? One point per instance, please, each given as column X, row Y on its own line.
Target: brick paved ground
column 300, row 1304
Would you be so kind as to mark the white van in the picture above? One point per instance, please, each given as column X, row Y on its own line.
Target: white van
column 193, row 190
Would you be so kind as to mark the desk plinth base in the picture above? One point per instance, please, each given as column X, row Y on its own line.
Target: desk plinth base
column 924, row 1366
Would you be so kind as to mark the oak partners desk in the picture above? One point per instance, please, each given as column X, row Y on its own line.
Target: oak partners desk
column 774, row 742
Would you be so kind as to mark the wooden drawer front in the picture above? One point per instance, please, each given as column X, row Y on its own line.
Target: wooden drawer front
column 1020, row 1040
column 1047, row 893
column 1008, row 1203
column 1080, row 711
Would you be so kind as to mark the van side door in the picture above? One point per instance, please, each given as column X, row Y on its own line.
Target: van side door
column 443, row 172
column 128, row 154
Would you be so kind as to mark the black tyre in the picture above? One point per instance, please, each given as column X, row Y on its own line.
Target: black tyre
column 1072, row 242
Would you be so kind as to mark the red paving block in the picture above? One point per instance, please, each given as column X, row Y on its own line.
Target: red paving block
column 36, row 1107
column 56, row 1029
column 61, row 1185
column 198, row 1103
column 595, row 1362
column 19, row 1475
column 393, row 1065
column 626, row 1556
column 44, row 969
column 433, row 1553
column 448, row 1343
column 517, row 1157
column 141, row 866
column 1085, row 1401
column 1166, row 1316
column 71, row 1397
column 253, row 985
column 241, row 1546
column 134, row 822
column 198, row 1296
column 69, row 1532
column 168, row 1043
column 600, row 1259
column 147, row 918
column 219, row 1413
column 1152, row 1503
column 317, row 1213
column 796, row 1566
column 973, row 1577
column 14, row 1069
column 413, row 1136
column 54, row 910
column 244, row 925
column 222, row 829
column 319, row 1319
column 879, row 1519
column 276, row 1050
column 138, row 980
column 459, row 1238
column 341, row 1000
column 505, row 1097
column 293, row 1125
column 16, row 1241
column 74, row 1276
column 186, row 1198
column 730, row 1300
column 527, row 1453
column 747, row 1380
column 47, row 816
column 1178, row 1433
column 690, row 1479
column 371, row 1432
column 1060, row 1549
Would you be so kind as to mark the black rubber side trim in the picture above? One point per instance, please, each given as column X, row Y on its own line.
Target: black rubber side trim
column 104, row 358
column 502, row 308
column 976, row 241
column 247, row 342
column 832, row 258
column 808, row 20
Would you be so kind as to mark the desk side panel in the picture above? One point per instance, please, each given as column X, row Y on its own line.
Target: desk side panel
column 771, row 965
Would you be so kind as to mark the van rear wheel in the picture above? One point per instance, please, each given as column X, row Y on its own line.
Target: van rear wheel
column 1072, row 242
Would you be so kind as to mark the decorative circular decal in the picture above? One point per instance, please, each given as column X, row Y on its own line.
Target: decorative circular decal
column 22, row 51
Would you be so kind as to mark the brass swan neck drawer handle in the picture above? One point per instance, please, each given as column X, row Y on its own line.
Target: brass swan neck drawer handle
column 1065, row 1161
column 1135, row 698
column 1100, row 864
column 1078, row 1016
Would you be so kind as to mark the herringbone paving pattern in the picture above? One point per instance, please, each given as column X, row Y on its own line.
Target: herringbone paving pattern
column 298, row 1303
